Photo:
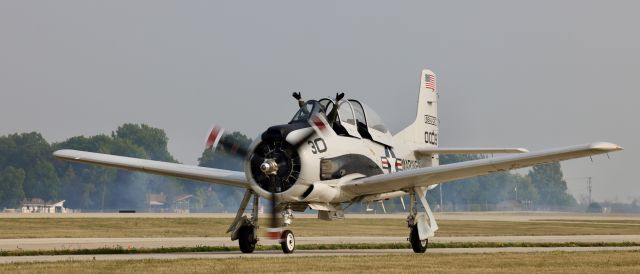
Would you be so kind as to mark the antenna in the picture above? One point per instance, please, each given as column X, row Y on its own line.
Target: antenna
column 589, row 188
column 589, row 184
column 441, row 205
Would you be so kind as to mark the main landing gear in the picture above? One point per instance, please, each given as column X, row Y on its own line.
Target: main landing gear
column 245, row 229
column 420, row 230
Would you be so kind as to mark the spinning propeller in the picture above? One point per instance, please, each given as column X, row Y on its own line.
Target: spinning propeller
column 274, row 162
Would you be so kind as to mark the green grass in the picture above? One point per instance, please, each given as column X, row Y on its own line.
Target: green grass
column 122, row 250
column 13, row 228
column 543, row 262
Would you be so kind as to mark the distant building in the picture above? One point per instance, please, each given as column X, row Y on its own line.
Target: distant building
column 37, row 205
column 157, row 202
column 181, row 204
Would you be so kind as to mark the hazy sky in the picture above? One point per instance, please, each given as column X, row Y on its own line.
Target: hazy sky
column 534, row 74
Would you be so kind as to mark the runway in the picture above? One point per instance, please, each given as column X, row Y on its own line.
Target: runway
column 91, row 243
column 300, row 253
column 157, row 242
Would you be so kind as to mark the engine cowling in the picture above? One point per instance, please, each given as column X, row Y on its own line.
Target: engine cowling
column 275, row 150
column 286, row 159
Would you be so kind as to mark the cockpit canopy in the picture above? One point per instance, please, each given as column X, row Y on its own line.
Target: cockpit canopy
column 306, row 110
column 354, row 119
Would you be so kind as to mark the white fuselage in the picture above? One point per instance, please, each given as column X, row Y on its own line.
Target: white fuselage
column 376, row 157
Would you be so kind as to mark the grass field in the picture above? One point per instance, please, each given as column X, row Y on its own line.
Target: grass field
column 551, row 262
column 11, row 228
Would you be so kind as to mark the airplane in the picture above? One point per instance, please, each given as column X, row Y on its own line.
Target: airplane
column 326, row 164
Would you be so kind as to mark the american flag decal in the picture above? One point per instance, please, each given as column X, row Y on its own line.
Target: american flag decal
column 399, row 166
column 385, row 162
column 430, row 81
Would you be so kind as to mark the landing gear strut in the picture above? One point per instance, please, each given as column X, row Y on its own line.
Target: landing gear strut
column 420, row 231
column 287, row 239
column 245, row 229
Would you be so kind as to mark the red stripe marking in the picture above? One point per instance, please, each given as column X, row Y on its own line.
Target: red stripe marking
column 318, row 123
column 274, row 235
column 213, row 136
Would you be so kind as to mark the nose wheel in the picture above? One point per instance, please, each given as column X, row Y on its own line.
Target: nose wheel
column 288, row 242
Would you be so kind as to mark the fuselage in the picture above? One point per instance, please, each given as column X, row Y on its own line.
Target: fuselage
column 323, row 161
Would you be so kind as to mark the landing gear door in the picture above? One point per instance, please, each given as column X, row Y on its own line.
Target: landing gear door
column 347, row 118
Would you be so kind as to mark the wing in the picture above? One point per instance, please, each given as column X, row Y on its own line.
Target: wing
column 434, row 175
column 438, row 150
column 204, row 174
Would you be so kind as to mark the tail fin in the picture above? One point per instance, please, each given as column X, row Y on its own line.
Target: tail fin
column 424, row 130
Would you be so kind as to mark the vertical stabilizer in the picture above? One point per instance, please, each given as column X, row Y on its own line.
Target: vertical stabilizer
column 424, row 130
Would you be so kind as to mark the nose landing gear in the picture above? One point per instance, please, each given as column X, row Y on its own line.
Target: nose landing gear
column 244, row 229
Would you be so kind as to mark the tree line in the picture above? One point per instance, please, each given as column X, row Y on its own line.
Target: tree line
column 543, row 188
column 28, row 170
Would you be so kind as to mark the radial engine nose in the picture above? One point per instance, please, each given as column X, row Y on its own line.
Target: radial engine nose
column 269, row 166
column 274, row 160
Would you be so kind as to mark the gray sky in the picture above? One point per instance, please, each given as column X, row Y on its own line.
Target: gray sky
column 535, row 74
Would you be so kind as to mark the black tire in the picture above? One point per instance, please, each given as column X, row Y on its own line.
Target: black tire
column 247, row 239
column 417, row 245
column 287, row 241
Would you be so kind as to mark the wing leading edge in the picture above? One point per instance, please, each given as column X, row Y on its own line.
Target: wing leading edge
column 204, row 174
column 427, row 176
column 438, row 150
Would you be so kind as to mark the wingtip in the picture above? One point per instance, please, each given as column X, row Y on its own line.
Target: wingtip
column 64, row 154
column 605, row 146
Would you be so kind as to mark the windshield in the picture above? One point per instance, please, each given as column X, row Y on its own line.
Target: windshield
column 305, row 111
column 326, row 106
column 374, row 121
column 346, row 114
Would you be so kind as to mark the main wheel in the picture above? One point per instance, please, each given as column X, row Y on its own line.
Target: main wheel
column 287, row 241
column 418, row 246
column 247, row 239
